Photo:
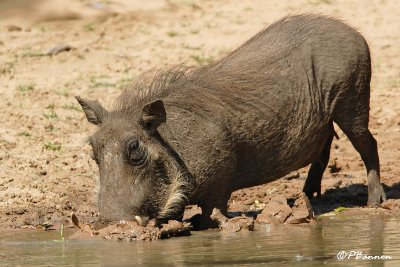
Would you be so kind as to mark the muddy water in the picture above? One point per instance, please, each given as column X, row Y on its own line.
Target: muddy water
column 310, row 245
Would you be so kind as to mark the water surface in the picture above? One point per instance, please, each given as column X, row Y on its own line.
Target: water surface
column 283, row 245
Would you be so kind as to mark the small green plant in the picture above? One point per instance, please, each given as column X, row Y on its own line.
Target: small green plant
column 50, row 115
column 143, row 29
column 72, row 107
column 102, row 84
column 377, row 64
column 23, row 88
column 95, row 77
column 24, row 133
column 202, row 60
column 394, row 84
column 89, row 27
column 52, row 146
column 8, row 68
column 191, row 47
column 340, row 209
column 63, row 92
column 30, row 53
column 239, row 21
column 172, row 34
column 98, row 81
column 50, row 106
column 62, row 232
column 43, row 28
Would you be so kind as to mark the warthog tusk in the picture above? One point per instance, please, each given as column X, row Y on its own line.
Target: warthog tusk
column 142, row 221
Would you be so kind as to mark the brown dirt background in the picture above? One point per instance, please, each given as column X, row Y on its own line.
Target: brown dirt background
column 45, row 168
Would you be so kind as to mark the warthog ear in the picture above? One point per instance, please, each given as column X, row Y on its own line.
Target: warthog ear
column 153, row 114
column 94, row 112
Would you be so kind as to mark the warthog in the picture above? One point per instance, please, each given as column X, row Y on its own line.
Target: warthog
column 194, row 135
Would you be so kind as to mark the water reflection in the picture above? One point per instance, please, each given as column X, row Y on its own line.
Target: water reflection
column 376, row 238
column 284, row 245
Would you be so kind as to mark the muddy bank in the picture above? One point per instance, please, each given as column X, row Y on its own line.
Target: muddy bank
column 275, row 212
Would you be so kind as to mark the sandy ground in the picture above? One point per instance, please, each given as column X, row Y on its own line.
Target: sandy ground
column 45, row 168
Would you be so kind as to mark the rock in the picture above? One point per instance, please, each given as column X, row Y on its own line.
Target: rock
column 237, row 206
column 232, row 225
column 218, row 217
column 191, row 211
column 302, row 211
column 275, row 211
column 265, row 218
column 58, row 49
column 174, row 228
column 391, row 204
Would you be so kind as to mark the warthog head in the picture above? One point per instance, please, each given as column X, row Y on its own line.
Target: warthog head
column 141, row 177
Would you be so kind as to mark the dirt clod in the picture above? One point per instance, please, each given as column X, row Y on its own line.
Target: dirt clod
column 276, row 211
column 391, row 204
column 235, row 224
column 302, row 211
column 131, row 231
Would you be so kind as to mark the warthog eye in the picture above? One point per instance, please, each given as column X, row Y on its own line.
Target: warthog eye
column 135, row 153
